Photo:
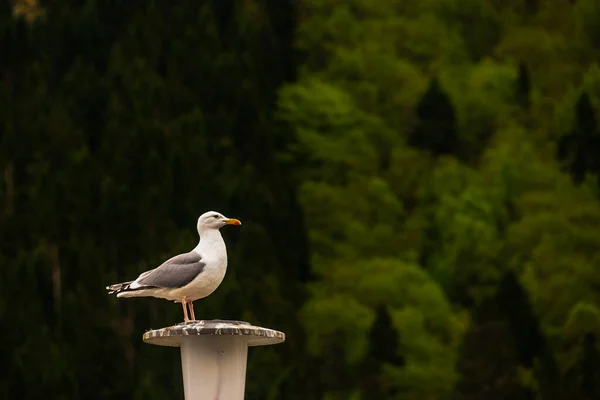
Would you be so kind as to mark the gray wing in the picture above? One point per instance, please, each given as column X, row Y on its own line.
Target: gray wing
column 176, row 272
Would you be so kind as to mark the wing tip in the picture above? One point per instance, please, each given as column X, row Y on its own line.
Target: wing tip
column 118, row 287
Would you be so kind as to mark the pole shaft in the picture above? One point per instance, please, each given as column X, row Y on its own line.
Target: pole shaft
column 214, row 367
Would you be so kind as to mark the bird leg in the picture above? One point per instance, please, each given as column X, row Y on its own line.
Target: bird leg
column 185, row 313
column 191, row 304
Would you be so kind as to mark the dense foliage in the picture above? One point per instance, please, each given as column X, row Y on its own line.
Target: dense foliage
column 418, row 183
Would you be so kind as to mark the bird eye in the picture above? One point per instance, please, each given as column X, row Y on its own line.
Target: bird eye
column 215, row 216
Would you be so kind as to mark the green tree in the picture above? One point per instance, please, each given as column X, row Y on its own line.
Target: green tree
column 361, row 264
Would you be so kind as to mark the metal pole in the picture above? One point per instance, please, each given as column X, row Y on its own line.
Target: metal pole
column 214, row 355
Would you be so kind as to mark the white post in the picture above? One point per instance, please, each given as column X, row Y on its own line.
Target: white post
column 214, row 355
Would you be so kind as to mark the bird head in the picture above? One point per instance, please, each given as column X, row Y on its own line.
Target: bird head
column 215, row 220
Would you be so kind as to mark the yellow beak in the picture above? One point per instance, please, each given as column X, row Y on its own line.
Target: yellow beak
column 232, row 221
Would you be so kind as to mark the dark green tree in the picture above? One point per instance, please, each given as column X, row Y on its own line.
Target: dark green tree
column 435, row 129
column 113, row 145
column 532, row 6
column 523, row 89
column 590, row 367
column 383, row 350
column 579, row 149
column 506, row 329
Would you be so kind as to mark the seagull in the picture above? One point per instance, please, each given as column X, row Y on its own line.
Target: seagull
column 186, row 277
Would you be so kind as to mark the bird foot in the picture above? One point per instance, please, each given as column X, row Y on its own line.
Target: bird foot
column 187, row 322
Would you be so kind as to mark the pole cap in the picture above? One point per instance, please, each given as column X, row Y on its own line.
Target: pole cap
column 172, row 336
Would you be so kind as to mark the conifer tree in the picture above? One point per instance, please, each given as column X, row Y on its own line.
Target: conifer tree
column 579, row 149
column 523, row 90
column 435, row 129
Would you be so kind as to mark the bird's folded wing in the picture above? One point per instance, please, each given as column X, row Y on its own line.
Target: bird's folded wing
column 173, row 273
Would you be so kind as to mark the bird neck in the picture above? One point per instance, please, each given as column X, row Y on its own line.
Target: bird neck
column 210, row 239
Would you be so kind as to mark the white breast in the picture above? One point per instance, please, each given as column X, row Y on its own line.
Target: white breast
column 214, row 254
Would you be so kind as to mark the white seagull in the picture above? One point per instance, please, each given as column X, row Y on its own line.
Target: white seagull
column 186, row 277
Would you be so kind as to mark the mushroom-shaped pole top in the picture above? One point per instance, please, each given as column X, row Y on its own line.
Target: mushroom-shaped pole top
column 173, row 336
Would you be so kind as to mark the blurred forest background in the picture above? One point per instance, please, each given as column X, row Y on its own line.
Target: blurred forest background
column 417, row 181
